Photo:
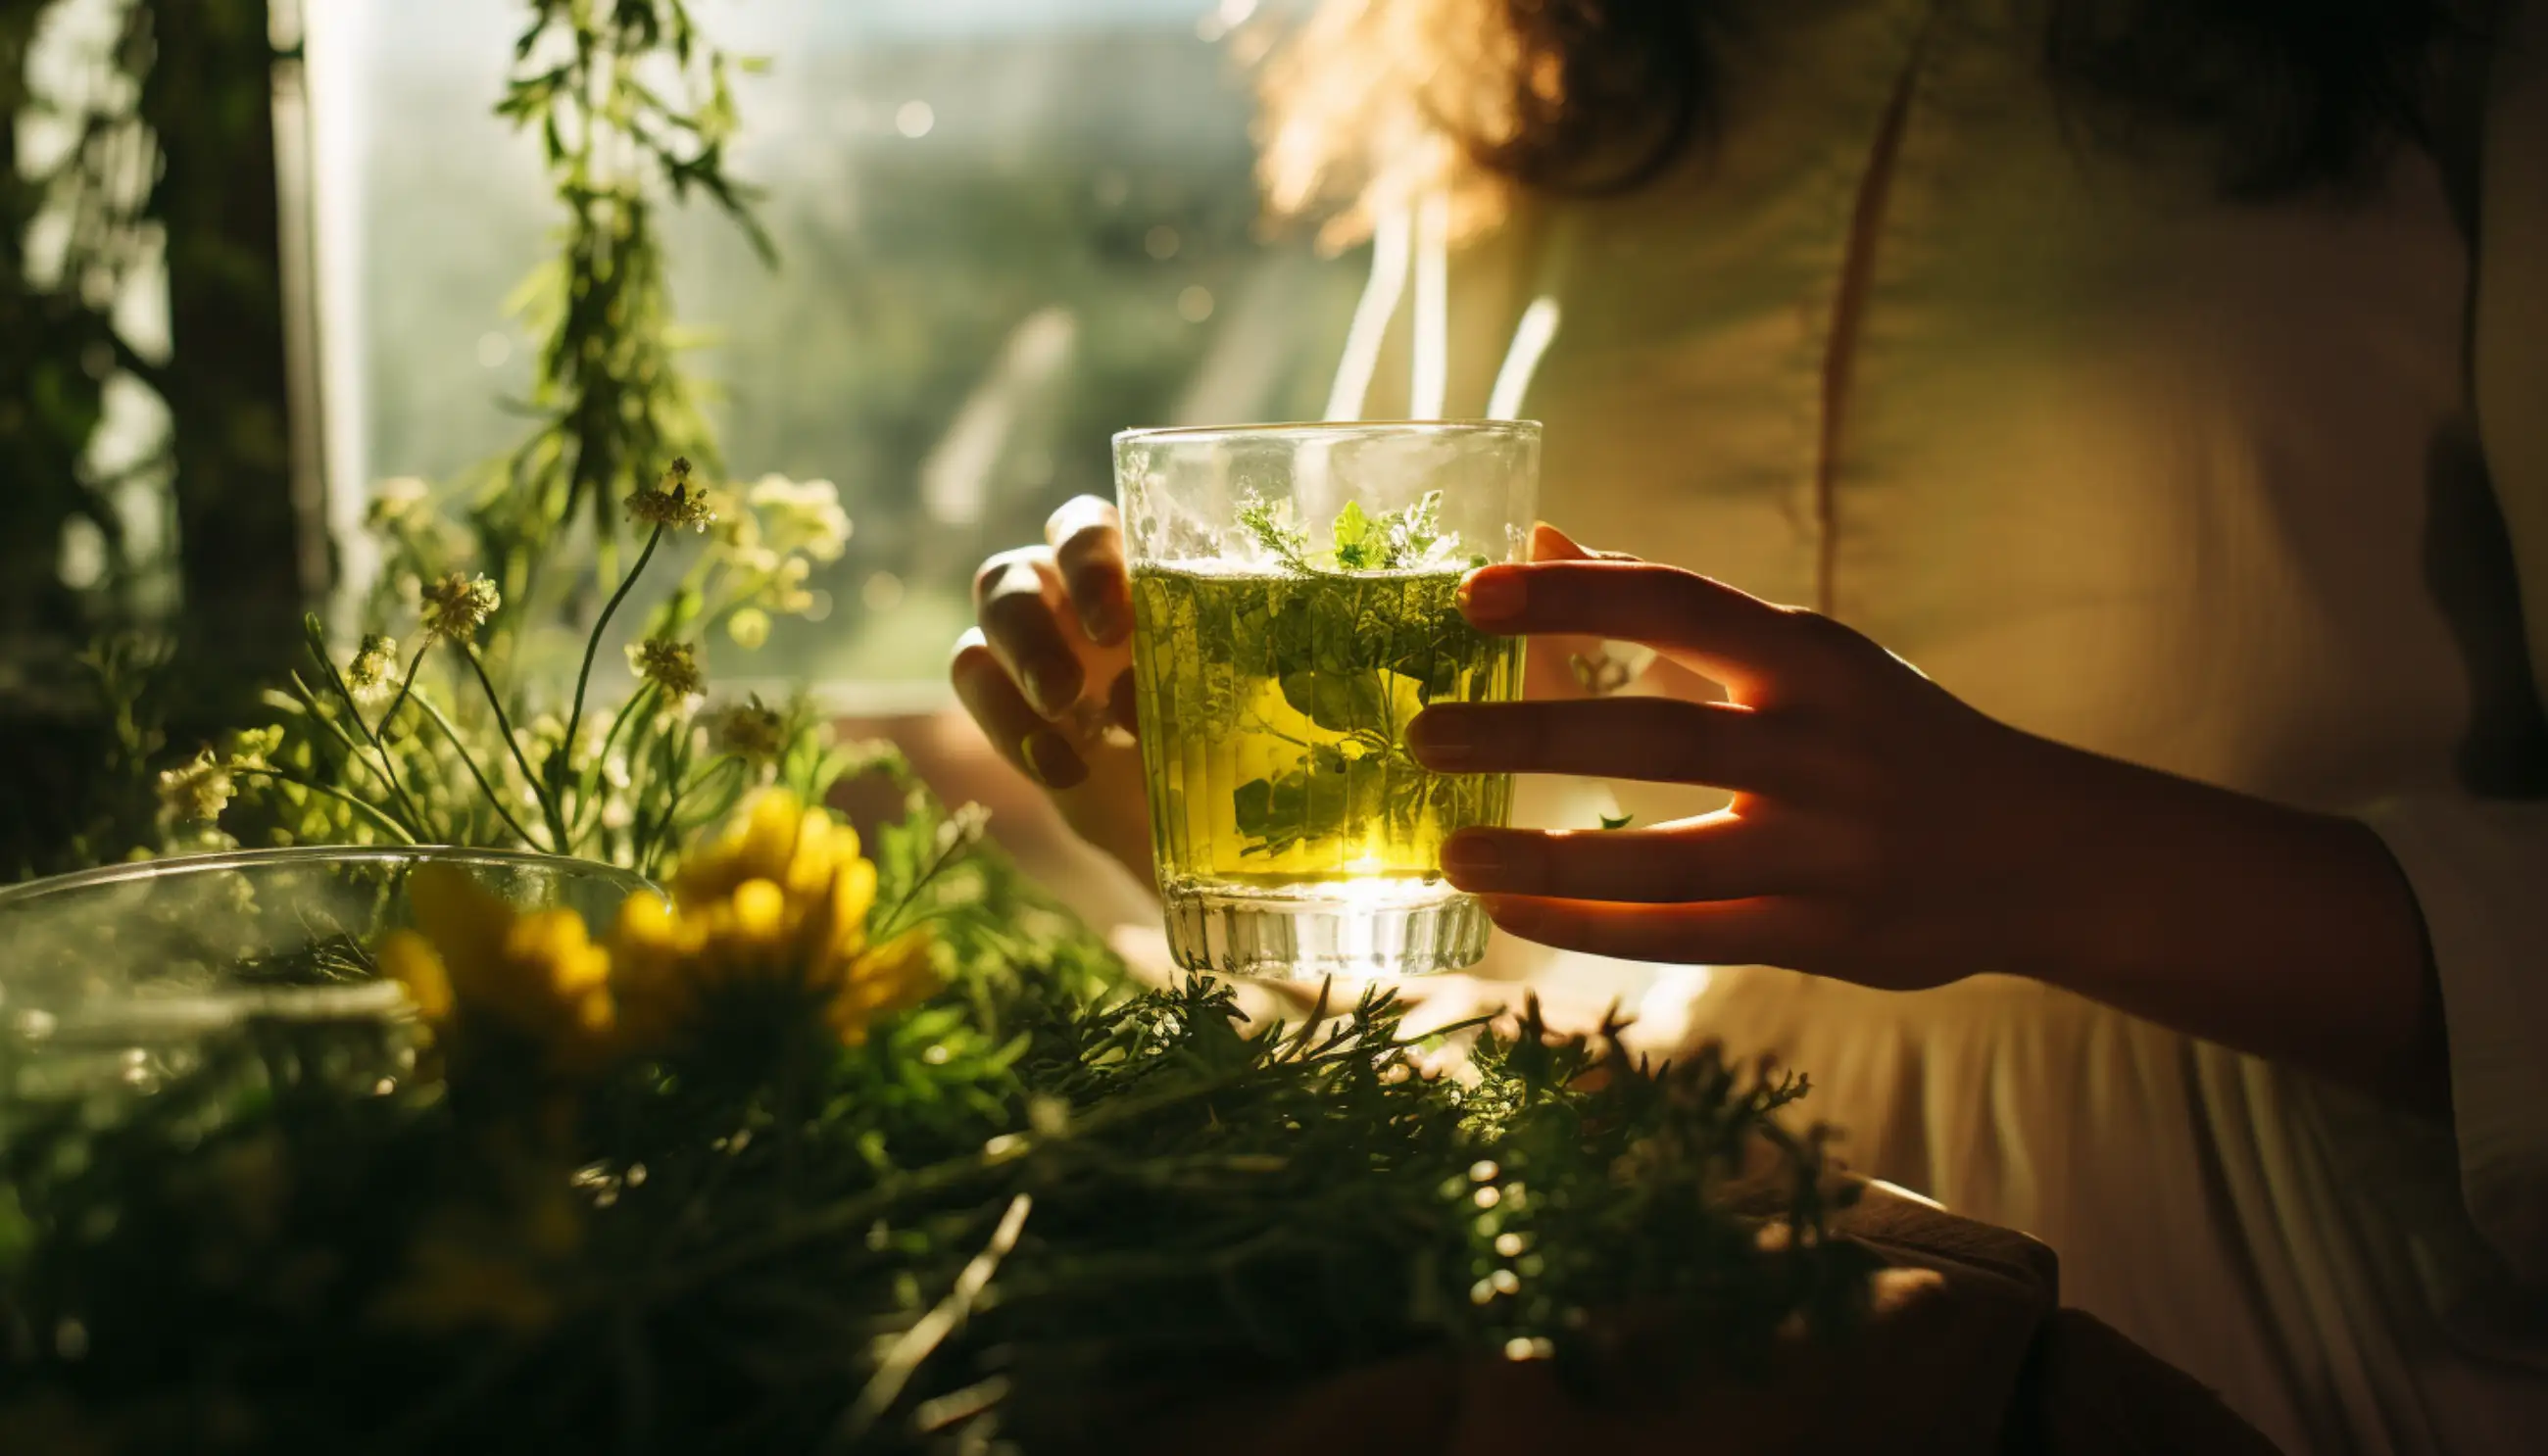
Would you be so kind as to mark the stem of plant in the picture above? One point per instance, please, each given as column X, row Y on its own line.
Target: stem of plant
column 493, row 799
column 406, row 684
column 369, row 810
column 590, row 781
column 354, row 753
column 592, row 643
column 664, row 826
column 558, row 844
column 371, row 735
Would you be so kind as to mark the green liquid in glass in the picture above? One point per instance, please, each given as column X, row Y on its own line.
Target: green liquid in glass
column 1273, row 716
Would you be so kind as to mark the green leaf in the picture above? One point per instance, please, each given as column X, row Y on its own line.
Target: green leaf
column 1413, row 532
column 1253, row 804
column 1311, row 802
column 1357, row 548
column 1617, row 821
column 1339, row 702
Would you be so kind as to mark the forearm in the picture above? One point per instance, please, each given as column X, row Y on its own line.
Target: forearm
column 2282, row 933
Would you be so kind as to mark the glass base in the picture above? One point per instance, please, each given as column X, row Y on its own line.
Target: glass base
column 1350, row 930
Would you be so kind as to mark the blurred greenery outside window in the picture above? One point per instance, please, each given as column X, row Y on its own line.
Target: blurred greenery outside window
column 1007, row 228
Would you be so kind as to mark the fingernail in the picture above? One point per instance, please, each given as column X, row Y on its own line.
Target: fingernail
column 1044, row 689
column 1440, row 740
column 1468, row 856
column 1124, row 702
column 1101, row 618
column 1548, row 541
column 1054, row 764
column 1493, row 592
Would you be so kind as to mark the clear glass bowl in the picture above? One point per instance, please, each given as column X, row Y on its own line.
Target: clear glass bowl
column 118, row 976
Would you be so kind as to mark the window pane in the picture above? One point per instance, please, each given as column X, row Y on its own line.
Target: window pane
column 1007, row 228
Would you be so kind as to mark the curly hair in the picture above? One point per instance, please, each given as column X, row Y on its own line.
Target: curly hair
column 1373, row 100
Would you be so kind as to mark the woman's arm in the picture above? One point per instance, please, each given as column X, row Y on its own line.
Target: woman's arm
column 1883, row 832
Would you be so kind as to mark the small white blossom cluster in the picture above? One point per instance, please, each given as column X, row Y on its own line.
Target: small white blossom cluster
column 196, row 791
column 770, row 534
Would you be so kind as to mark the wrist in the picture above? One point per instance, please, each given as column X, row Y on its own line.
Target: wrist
column 2078, row 884
column 2278, row 930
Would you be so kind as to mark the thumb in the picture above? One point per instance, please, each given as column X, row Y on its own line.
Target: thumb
column 1548, row 543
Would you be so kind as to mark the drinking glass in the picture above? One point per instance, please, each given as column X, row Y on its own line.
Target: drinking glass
column 1295, row 604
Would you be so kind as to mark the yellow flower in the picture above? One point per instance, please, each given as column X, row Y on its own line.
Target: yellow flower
column 669, row 665
column 780, row 899
column 456, row 607
column 474, row 960
column 674, row 502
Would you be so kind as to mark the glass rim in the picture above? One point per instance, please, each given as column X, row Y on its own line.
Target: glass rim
column 1324, row 429
column 172, row 866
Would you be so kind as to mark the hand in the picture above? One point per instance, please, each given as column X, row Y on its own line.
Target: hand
column 1046, row 675
column 1883, row 832
column 1874, row 818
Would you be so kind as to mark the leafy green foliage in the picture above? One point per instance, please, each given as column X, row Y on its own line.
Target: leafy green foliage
column 1029, row 1209
column 60, row 341
column 624, row 97
column 460, row 737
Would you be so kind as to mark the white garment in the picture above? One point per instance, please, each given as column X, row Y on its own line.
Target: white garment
column 2184, row 481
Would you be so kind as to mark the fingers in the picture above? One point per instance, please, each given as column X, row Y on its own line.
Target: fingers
column 1737, row 639
column 1716, row 857
column 1655, row 739
column 1549, row 668
column 1756, row 932
column 1022, row 735
column 1087, row 539
column 1017, row 600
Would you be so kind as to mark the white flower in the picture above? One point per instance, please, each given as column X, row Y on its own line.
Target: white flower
column 456, row 606
column 802, row 515
column 669, row 665
column 754, row 730
column 373, row 675
column 749, row 627
column 196, row 791
column 676, row 501
column 396, row 499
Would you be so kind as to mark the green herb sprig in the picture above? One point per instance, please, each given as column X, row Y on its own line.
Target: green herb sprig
column 1410, row 538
